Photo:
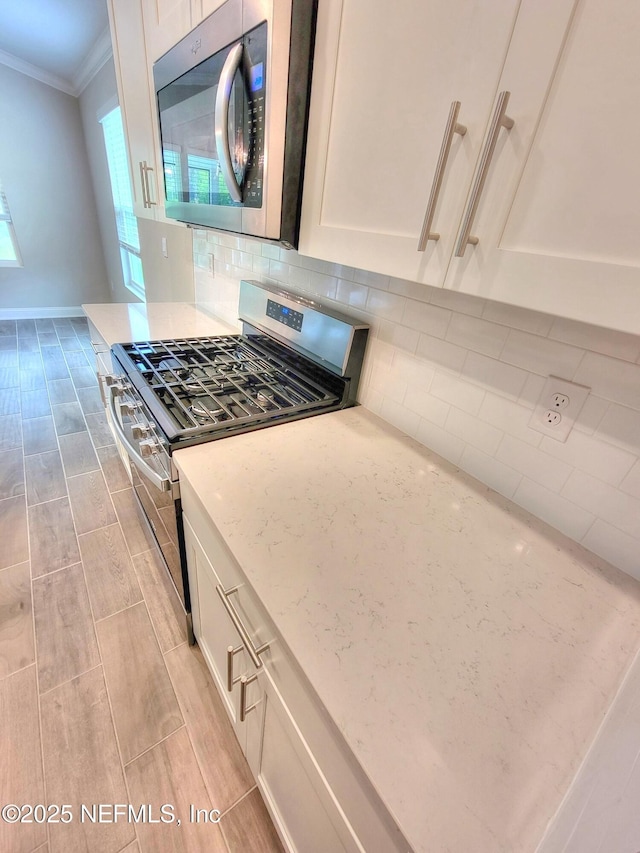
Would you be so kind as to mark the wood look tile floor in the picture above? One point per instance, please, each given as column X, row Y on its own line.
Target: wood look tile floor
column 102, row 701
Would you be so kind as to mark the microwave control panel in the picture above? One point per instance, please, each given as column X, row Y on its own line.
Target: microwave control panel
column 255, row 69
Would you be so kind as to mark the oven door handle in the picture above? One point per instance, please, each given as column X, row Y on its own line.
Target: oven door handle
column 163, row 484
column 221, row 119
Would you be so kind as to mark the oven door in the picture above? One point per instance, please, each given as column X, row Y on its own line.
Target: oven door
column 151, row 474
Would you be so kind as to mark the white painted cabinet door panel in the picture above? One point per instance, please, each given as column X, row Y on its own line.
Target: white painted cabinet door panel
column 384, row 78
column 165, row 23
column 138, row 114
column 559, row 224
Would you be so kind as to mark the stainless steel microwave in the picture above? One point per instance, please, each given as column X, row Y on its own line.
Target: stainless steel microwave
column 233, row 100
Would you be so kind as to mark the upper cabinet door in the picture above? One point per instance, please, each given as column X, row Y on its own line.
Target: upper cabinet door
column 384, row 80
column 559, row 221
column 166, row 22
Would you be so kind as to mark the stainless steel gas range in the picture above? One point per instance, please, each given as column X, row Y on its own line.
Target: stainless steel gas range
column 294, row 359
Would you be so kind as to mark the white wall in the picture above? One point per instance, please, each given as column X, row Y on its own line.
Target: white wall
column 45, row 172
column 462, row 375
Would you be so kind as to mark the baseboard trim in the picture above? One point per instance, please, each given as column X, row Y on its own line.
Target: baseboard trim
column 37, row 313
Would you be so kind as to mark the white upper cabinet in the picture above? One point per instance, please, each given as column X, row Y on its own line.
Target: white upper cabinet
column 552, row 202
column 559, row 219
column 166, row 22
column 384, row 79
column 127, row 35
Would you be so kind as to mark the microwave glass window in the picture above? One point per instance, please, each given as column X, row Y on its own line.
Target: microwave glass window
column 193, row 173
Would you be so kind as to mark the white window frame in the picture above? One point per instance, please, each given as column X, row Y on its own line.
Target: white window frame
column 130, row 257
column 7, row 223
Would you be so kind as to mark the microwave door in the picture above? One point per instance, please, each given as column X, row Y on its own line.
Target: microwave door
column 196, row 187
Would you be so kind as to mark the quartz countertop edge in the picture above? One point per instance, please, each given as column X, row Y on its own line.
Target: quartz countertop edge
column 124, row 322
column 466, row 651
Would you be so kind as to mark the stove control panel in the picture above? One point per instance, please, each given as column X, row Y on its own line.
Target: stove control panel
column 285, row 315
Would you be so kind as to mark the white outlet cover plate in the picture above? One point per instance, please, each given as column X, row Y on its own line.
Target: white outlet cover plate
column 577, row 395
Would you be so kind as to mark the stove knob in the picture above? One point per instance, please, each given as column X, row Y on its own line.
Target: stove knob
column 117, row 389
column 139, row 431
column 113, row 380
column 128, row 408
column 147, row 448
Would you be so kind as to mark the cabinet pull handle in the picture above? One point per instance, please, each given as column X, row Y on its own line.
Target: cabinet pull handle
column 144, row 180
column 230, row 655
column 500, row 119
column 253, row 651
column 243, row 696
column 451, row 128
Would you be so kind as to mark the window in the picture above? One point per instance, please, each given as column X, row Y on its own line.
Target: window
column 126, row 222
column 9, row 252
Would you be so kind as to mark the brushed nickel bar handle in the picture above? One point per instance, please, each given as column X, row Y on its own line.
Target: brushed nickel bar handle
column 144, row 179
column 451, row 128
column 253, row 651
column 230, row 678
column 500, row 119
column 243, row 696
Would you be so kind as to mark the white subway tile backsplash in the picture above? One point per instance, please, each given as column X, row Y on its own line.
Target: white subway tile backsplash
column 447, row 355
column 532, row 390
column 610, row 378
column 503, row 379
column 371, row 279
column 426, row 318
column 477, row 335
column 413, row 289
column 385, row 304
column 462, row 375
column 440, row 441
column 349, row 293
column 510, row 417
column 427, row 406
column 613, row 545
column 605, row 501
column 621, row 425
column 500, row 477
column 399, row 416
column 459, row 302
column 591, row 414
column 476, row 433
column 604, row 461
column 554, row 509
column 458, row 392
column 540, row 355
column 595, row 339
column 518, row 318
column 533, row 463
column 399, row 336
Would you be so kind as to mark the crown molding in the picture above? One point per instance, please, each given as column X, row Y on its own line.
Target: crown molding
column 99, row 54
column 37, row 73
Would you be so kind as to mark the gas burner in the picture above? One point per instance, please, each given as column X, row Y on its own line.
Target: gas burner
column 265, row 398
column 206, row 408
column 174, row 365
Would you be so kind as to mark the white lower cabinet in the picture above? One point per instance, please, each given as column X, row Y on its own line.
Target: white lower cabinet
column 318, row 797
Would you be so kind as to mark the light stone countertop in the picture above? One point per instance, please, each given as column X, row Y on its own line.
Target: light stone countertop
column 466, row 651
column 123, row 322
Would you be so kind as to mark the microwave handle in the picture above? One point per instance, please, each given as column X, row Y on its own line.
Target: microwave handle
column 223, row 96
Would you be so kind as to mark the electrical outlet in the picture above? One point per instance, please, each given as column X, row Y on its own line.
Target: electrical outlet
column 558, row 407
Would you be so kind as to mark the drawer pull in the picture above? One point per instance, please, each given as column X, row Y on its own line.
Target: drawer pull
column 500, row 119
column 451, row 128
column 230, row 678
column 253, row 651
column 243, row 696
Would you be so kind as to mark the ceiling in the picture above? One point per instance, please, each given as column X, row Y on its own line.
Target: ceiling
column 55, row 37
